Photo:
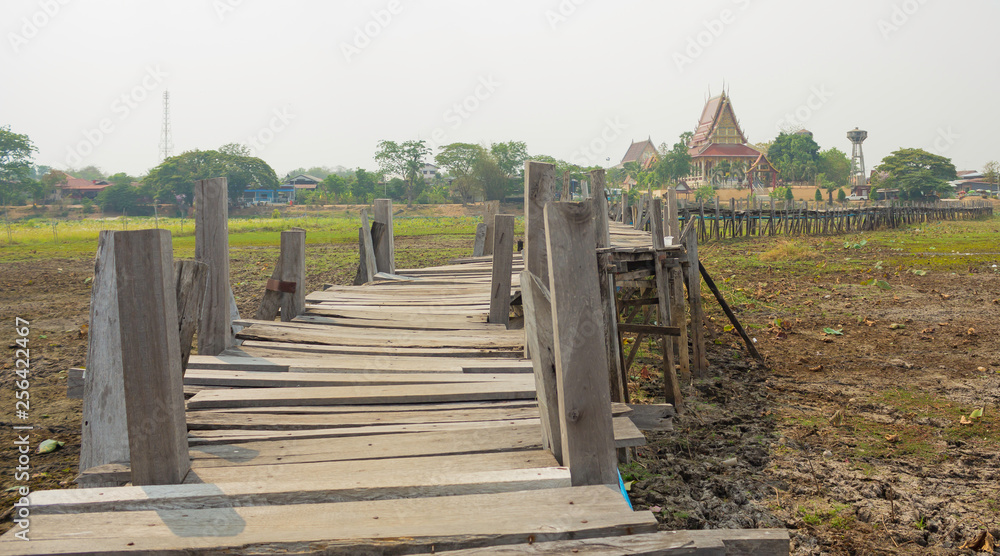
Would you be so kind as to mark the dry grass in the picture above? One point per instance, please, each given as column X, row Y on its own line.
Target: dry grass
column 790, row 251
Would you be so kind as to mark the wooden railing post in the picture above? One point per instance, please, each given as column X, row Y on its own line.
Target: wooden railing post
column 151, row 362
column 566, row 194
column 538, row 336
column 490, row 211
column 602, row 233
column 479, row 244
column 539, row 188
column 191, row 279
column 104, row 436
column 671, row 387
column 503, row 254
column 699, row 362
column 581, row 359
column 293, row 271
column 211, row 246
column 677, row 309
column 385, row 249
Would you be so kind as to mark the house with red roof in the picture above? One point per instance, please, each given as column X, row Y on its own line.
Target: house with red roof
column 720, row 146
column 79, row 188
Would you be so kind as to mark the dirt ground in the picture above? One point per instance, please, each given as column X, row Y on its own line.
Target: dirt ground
column 854, row 441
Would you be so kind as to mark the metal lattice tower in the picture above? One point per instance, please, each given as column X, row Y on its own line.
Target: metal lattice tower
column 166, row 138
column 858, row 176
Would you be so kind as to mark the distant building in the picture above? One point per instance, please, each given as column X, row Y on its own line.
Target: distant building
column 719, row 138
column 972, row 180
column 302, row 181
column 429, row 172
column 643, row 153
column 79, row 188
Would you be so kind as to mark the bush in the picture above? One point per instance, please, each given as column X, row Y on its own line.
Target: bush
column 841, row 196
column 118, row 198
column 818, row 196
column 704, row 193
column 275, row 213
column 88, row 206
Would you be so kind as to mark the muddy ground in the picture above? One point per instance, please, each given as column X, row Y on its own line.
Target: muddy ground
column 854, row 441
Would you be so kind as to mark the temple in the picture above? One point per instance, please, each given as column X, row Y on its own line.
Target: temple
column 720, row 155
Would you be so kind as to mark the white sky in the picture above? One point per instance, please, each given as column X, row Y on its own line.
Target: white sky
column 574, row 79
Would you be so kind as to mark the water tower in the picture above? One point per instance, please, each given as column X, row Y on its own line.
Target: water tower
column 858, row 176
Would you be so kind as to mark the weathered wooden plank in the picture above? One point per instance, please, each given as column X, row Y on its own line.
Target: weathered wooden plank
column 270, row 302
column 479, row 242
column 252, row 347
column 392, row 484
column 541, row 346
column 699, row 364
column 105, row 430
column 581, row 359
column 341, row 337
column 385, row 249
column 293, row 270
column 211, row 246
column 512, row 389
column 151, row 363
column 191, row 279
column 503, row 250
column 368, row 248
column 664, row 543
column 403, row 525
column 539, row 185
column 228, row 420
column 258, row 379
column 490, row 210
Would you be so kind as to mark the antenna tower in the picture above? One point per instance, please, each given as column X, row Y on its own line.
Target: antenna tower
column 166, row 137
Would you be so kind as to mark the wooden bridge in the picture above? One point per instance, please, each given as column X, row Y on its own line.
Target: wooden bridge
column 395, row 417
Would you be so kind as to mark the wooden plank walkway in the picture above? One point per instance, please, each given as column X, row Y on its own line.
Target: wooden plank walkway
column 385, row 418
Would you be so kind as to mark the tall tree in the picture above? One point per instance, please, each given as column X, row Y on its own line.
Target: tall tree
column 796, row 156
column 510, row 157
column 675, row 163
column 177, row 174
column 15, row 164
column 835, row 166
column 991, row 171
column 405, row 160
column 459, row 160
column 364, row 185
column 917, row 174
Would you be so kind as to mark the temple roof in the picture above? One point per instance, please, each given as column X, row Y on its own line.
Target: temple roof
column 714, row 109
column 635, row 150
column 724, row 149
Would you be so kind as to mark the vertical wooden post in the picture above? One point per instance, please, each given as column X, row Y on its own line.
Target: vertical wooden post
column 490, row 210
column 566, row 194
column 368, row 248
column 478, row 245
column 385, row 250
column 538, row 334
column 104, row 436
column 191, row 279
column 539, row 188
column 581, row 360
column 211, row 246
column 151, row 363
column 673, row 224
column 584, row 189
column 503, row 254
column 293, row 269
column 671, row 387
column 626, row 210
column 678, row 311
column 602, row 233
column 700, row 363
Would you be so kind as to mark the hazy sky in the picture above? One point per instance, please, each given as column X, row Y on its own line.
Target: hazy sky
column 306, row 83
